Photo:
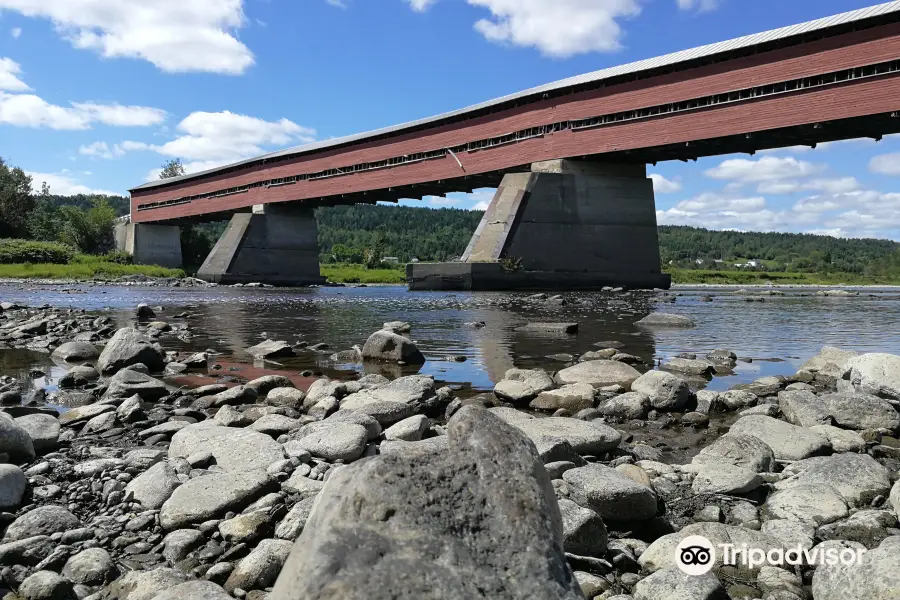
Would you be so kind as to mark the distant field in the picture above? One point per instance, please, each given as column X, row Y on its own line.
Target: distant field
column 84, row 267
column 349, row 273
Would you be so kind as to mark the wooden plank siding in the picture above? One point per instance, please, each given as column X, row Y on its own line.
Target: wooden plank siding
column 852, row 99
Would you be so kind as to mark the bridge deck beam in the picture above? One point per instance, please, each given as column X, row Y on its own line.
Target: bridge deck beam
column 565, row 225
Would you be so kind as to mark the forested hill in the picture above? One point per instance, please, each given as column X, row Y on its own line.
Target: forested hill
column 120, row 204
column 428, row 234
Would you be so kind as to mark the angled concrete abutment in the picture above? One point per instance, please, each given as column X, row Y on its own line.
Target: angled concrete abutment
column 277, row 245
column 150, row 244
column 564, row 225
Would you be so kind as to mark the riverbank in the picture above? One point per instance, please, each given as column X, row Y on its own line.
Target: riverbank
column 84, row 267
column 691, row 276
column 351, row 273
column 160, row 472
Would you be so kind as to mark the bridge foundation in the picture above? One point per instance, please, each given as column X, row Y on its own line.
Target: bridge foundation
column 278, row 246
column 564, row 225
column 150, row 244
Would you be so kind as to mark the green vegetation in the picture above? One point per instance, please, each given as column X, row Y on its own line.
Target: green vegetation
column 27, row 251
column 350, row 273
column 689, row 276
column 84, row 266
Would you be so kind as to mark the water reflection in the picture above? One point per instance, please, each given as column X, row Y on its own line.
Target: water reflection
column 790, row 328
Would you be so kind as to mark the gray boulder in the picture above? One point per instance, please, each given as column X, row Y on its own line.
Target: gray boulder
column 858, row 478
column 811, row 503
column 76, row 351
column 876, row 373
column 788, row 442
column 478, row 520
column 12, row 487
column 739, row 450
column 210, row 496
column 350, row 416
column 129, row 347
column 287, row 397
column 194, row 590
column 522, row 385
column 610, row 493
column 829, row 361
column 584, row 532
column 876, row 577
column 673, row 584
column 261, row 567
column 599, row 373
column 586, row 437
column 665, row 391
column 83, row 414
column 14, row 440
column 126, row 383
column 719, row 478
column 145, row 585
column 572, row 397
column 295, row 520
column 388, row 346
column 631, row 405
column 689, row 366
column 233, row 449
column 803, row 408
column 271, row 349
column 408, row 430
column 43, row 520
column 45, row 585
column 154, row 486
column 861, row 411
column 333, row 440
column 265, row 384
column 93, row 566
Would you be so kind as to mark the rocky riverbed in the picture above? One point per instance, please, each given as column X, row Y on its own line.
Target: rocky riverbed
column 152, row 475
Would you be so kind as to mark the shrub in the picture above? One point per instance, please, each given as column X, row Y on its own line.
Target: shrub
column 26, row 251
column 119, row 257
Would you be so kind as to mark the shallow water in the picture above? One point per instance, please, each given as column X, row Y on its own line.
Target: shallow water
column 778, row 334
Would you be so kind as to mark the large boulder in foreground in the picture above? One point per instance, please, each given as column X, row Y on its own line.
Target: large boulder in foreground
column 477, row 520
column 858, row 478
column 787, row 441
column 14, row 440
column 876, row 373
column 877, row 576
column 389, row 346
column 599, row 373
column 76, row 351
column 234, row 449
column 129, row 347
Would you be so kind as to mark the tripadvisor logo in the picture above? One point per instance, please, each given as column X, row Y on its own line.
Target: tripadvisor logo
column 696, row 555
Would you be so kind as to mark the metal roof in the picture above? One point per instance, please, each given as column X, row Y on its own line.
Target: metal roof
column 626, row 69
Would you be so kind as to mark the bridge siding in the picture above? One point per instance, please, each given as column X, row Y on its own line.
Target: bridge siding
column 868, row 47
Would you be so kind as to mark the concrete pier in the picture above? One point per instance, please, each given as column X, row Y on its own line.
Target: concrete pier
column 564, row 225
column 150, row 244
column 276, row 244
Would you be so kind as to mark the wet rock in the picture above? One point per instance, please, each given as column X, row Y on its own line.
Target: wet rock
column 584, row 532
column 788, row 442
column 14, row 440
column 858, row 478
column 43, row 520
column 632, row 405
column 739, row 450
column 271, row 349
column 557, row 328
column 696, row 367
column 143, row 311
column 876, row 373
column 487, row 471
column 665, row 391
column 333, row 440
column 399, row 327
column 12, row 487
column 76, row 351
column 599, row 373
column 572, row 397
column 93, row 566
column 46, row 585
column 522, row 385
column 388, row 346
column 233, row 449
column 672, row 584
column 128, row 347
column 610, row 493
column 154, row 486
column 662, row 320
column 211, row 496
column 261, row 567
column 829, row 361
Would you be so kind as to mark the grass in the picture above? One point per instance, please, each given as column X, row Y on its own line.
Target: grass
column 349, row 273
column 83, row 267
column 687, row 276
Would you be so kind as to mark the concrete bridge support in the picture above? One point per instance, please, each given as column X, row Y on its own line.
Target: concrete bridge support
column 150, row 244
column 278, row 245
column 564, row 225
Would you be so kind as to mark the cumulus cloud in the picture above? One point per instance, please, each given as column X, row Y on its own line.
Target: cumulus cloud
column 661, row 185
column 885, row 164
column 63, row 184
column 29, row 110
column 9, row 76
column 174, row 35
column 420, row 5
column 16, row 32
column 765, row 169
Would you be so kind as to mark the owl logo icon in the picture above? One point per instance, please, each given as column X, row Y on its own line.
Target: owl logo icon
column 695, row 555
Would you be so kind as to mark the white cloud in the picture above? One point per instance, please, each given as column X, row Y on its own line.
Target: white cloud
column 558, row 28
column 885, row 164
column 9, row 76
column 16, row 32
column 210, row 140
column 97, row 149
column 420, row 5
column 440, row 202
column 711, row 201
column 661, row 185
column 61, row 183
column 174, row 35
column 699, row 5
column 839, row 185
column 767, row 168
column 28, row 110
column 483, row 205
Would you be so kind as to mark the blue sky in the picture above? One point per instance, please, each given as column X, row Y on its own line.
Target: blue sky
column 96, row 94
